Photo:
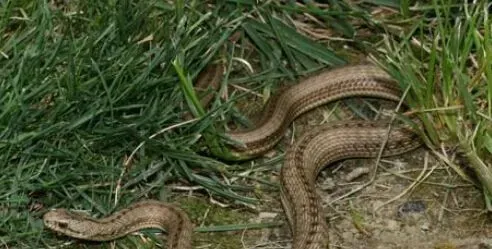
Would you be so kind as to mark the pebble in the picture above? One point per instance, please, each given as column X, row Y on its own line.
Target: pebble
column 410, row 207
column 425, row 227
column 392, row 225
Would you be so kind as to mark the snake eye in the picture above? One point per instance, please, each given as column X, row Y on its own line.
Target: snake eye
column 62, row 225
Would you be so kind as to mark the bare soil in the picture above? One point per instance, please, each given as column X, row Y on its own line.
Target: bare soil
column 415, row 201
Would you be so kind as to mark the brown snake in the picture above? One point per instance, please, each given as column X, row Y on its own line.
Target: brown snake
column 303, row 161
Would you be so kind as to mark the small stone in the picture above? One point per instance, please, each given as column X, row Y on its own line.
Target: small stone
column 392, row 225
column 425, row 227
column 410, row 207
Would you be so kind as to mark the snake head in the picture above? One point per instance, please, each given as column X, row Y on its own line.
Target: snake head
column 67, row 223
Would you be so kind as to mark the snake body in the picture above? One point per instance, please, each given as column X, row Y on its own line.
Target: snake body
column 303, row 161
column 328, row 86
column 319, row 148
column 144, row 214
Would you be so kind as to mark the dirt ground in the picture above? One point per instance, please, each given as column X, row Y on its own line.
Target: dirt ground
column 396, row 211
column 415, row 201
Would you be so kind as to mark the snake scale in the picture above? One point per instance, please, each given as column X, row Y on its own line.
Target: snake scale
column 312, row 152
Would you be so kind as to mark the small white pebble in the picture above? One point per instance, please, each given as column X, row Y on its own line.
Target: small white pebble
column 425, row 227
column 392, row 225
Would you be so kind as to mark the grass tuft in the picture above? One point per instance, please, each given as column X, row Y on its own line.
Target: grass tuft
column 445, row 60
